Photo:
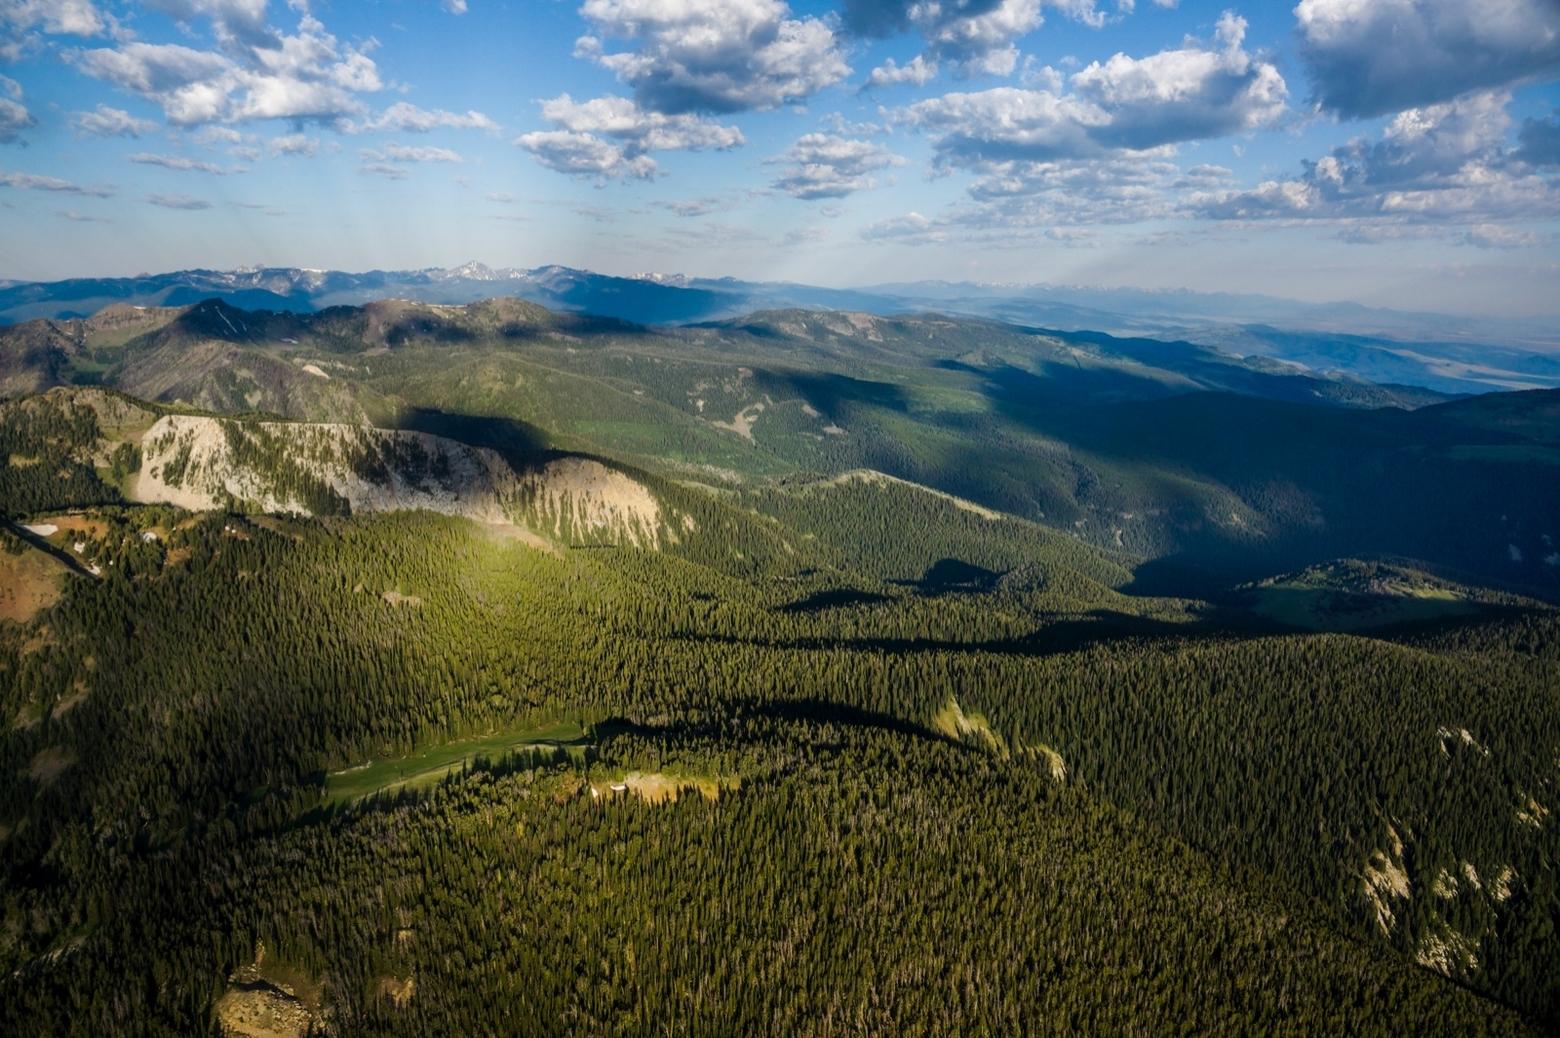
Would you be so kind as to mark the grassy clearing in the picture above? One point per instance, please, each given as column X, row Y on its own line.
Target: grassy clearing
column 661, row 786
column 431, row 765
column 1318, row 610
column 1327, row 609
column 1351, row 595
column 1054, row 762
column 74, row 526
column 953, row 722
column 49, row 763
column 30, row 582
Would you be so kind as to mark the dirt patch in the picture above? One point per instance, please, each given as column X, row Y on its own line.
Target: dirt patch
column 1471, row 874
column 591, row 498
column 262, row 1012
column 85, row 525
column 1447, row 953
column 866, row 324
column 876, row 478
column 39, row 640
column 1053, row 761
column 742, row 422
column 78, row 695
column 1451, row 736
column 397, row 992
column 511, row 532
column 49, row 763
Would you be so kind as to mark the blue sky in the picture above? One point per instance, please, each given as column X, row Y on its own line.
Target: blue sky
column 1392, row 152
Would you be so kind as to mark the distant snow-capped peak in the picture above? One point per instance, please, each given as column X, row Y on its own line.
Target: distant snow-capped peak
column 477, row 271
column 676, row 280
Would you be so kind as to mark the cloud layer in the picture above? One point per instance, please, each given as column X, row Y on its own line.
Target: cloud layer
column 963, row 136
column 1376, row 57
column 14, row 116
column 1446, row 164
column 104, row 121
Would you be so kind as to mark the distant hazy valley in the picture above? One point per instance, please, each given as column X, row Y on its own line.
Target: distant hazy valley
column 1437, row 351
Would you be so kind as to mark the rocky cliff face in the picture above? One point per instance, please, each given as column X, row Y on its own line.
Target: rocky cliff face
column 200, row 462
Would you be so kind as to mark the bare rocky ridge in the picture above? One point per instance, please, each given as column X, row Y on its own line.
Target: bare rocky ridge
column 200, row 463
column 264, row 1001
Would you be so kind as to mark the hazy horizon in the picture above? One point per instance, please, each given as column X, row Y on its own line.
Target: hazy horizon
column 1384, row 154
column 858, row 286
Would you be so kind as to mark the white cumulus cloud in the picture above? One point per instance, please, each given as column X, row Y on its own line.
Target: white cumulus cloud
column 258, row 73
column 823, row 165
column 40, row 182
column 917, row 71
column 611, row 137
column 713, row 55
column 104, row 121
column 971, row 36
column 1194, row 92
column 1443, row 165
column 408, row 118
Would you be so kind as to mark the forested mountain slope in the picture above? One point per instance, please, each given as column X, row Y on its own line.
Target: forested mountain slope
column 1339, row 794
column 547, row 673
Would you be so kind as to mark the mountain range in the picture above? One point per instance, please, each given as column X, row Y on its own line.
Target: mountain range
column 1437, row 351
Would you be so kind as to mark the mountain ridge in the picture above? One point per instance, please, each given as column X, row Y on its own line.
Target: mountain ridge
column 1430, row 350
column 1210, row 468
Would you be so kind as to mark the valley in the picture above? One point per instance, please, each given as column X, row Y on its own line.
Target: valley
column 1263, row 472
